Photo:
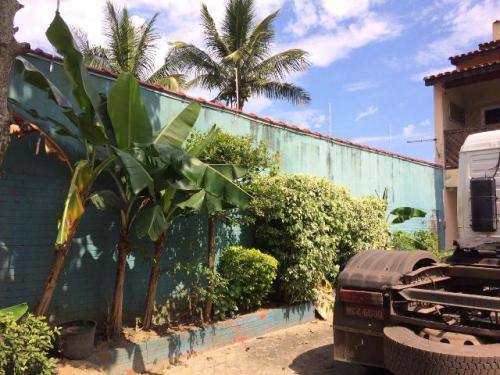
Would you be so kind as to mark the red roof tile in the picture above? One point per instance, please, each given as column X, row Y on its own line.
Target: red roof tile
column 39, row 52
column 456, row 73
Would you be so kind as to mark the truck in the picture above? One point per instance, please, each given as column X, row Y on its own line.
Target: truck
column 411, row 313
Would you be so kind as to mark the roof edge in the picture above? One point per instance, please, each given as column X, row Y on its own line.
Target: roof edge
column 265, row 120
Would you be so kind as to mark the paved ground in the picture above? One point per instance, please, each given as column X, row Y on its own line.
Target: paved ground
column 305, row 350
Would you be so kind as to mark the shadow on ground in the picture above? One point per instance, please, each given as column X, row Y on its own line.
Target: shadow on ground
column 319, row 361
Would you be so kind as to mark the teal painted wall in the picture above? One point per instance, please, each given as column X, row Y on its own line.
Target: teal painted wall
column 33, row 190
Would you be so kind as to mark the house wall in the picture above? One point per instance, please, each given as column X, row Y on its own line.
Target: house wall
column 34, row 187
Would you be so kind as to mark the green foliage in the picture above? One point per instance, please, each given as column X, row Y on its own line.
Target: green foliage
column 240, row 51
column 312, row 227
column 186, row 302
column 249, row 274
column 225, row 148
column 128, row 48
column 15, row 312
column 418, row 240
column 402, row 214
column 24, row 346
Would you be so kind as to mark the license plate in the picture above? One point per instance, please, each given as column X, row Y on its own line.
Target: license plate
column 367, row 312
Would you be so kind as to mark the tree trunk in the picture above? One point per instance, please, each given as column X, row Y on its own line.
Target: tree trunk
column 51, row 281
column 9, row 49
column 212, row 227
column 153, row 282
column 116, row 315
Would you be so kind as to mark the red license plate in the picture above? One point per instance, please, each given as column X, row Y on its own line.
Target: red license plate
column 367, row 312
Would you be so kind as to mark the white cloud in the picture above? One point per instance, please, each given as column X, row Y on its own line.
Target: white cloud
column 408, row 130
column 325, row 47
column 371, row 110
column 464, row 22
column 258, row 104
column 358, row 86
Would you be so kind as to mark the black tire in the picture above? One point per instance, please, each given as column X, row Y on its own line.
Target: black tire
column 406, row 353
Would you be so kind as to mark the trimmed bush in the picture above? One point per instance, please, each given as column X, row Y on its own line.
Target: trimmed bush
column 313, row 227
column 24, row 346
column 249, row 275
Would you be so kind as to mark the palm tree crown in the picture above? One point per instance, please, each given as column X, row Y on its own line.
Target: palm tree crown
column 129, row 48
column 240, row 52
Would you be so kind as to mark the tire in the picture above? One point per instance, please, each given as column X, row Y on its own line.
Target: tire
column 406, row 353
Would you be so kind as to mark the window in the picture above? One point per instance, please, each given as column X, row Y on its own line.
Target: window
column 492, row 116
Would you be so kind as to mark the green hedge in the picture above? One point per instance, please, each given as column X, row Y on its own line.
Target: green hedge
column 313, row 227
column 248, row 276
column 24, row 346
column 418, row 240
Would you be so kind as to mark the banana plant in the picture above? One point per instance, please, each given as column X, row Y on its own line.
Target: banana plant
column 83, row 123
column 115, row 135
column 181, row 194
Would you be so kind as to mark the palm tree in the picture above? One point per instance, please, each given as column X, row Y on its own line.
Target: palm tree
column 237, row 62
column 129, row 48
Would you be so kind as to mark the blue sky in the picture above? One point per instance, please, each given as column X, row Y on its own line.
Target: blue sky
column 367, row 56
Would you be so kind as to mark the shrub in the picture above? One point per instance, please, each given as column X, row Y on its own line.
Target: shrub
column 418, row 240
column 249, row 276
column 24, row 346
column 312, row 227
column 234, row 149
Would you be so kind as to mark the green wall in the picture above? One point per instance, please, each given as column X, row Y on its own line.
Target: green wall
column 33, row 189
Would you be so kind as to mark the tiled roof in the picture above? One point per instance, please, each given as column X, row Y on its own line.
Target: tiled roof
column 459, row 73
column 489, row 45
column 266, row 120
column 484, row 49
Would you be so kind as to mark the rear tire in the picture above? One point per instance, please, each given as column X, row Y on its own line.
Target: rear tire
column 406, row 353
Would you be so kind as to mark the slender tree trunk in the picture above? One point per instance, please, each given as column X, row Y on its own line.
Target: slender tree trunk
column 116, row 315
column 51, row 281
column 212, row 227
column 9, row 49
column 153, row 282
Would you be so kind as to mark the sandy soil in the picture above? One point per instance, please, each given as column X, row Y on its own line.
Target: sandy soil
column 306, row 349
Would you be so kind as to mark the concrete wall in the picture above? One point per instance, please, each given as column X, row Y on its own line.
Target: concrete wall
column 33, row 190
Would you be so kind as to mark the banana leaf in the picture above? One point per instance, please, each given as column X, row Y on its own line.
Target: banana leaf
column 138, row 176
column 150, row 222
column 89, row 101
column 74, row 206
column 177, row 131
column 128, row 114
column 15, row 312
column 405, row 213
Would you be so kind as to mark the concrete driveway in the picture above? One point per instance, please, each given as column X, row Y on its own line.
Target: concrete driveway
column 305, row 350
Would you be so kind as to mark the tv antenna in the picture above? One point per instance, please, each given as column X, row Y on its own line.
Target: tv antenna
column 422, row 140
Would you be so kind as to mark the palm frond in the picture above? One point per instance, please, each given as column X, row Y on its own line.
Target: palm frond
column 262, row 36
column 238, row 20
column 191, row 59
column 212, row 38
column 279, row 66
column 112, row 32
column 93, row 56
column 208, row 81
column 168, row 78
column 281, row 90
column 144, row 46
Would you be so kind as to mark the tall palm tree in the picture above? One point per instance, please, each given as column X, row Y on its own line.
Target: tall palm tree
column 240, row 52
column 129, row 48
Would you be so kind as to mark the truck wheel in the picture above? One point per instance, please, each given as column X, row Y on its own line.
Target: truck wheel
column 406, row 353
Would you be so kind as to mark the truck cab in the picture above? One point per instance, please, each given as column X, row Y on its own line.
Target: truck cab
column 412, row 313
